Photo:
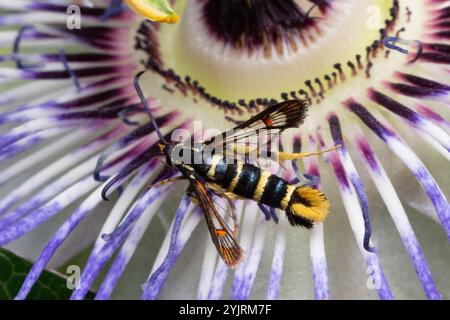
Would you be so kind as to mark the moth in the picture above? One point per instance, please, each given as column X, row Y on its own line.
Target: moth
column 210, row 172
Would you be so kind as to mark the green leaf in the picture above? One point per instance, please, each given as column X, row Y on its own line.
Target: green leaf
column 13, row 270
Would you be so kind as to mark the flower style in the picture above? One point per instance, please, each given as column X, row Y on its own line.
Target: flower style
column 375, row 74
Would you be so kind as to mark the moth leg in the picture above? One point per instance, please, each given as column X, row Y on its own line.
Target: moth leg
column 165, row 181
column 190, row 193
column 281, row 156
column 286, row 156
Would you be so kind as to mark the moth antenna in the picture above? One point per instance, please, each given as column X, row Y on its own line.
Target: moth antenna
column 137, row 86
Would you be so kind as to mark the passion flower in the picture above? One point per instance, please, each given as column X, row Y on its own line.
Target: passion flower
column 375, row 74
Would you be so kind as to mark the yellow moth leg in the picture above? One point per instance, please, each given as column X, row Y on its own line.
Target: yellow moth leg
column 285, row 156
column 163, row 182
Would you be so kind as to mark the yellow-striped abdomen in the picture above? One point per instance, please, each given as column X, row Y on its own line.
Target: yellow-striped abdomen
column 307, row 205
